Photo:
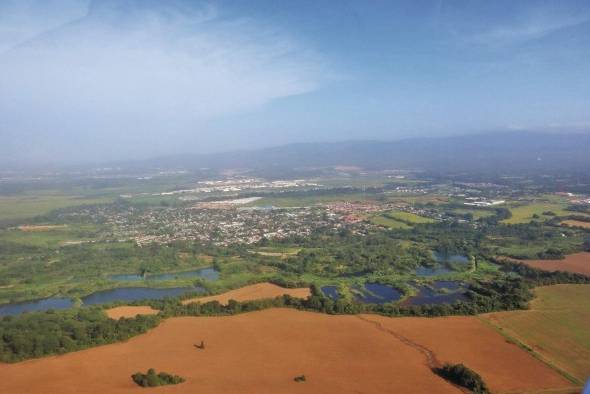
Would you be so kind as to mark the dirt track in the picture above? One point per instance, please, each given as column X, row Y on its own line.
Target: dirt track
column 261, row 352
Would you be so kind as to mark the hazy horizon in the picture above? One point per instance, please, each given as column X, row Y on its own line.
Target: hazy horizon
column 131, row 79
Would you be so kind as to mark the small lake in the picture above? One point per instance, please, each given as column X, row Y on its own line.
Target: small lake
column 35, row 306
column 331, row 292
column 450, row 258
column 442, row 268
column 130, row 294
column 375, row 293
column 206, row 273
column 432, row 271
column 439, row 292
column 126, row 294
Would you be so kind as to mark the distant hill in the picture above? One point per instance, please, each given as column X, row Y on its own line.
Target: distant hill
column 493, row 152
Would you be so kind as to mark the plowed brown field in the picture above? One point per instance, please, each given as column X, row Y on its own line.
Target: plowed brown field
column 130, row 311
column 253, row 292
column 578, row 262
column 261, row 352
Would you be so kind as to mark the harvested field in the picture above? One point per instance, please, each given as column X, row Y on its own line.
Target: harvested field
column 262, row 352
column 557, row 327
column 459, row 339
column 578, row 262
column 253, row 292
column 129, row 311
column 576, row 223
column 258, row 352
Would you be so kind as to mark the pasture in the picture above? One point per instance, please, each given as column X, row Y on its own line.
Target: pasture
column 26, row 207
column 525, row 213
column 399, row 219
column 557, row 327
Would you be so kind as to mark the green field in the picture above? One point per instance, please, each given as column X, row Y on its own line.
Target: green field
column 303, row 201
column 399, row 219
column 524, row 213
column 25, row 207
column 557, row 328
column 408, row 217
column 388, row 222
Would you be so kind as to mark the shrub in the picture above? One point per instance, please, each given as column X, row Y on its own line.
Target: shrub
column 462, row 376
column 151, row 379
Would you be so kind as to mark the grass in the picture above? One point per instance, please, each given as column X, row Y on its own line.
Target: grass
column 52, row 238
column 408, row 217
column 399, row 220
column 389, row 223
column 524, row 213
column 26, row 207
column 557, row 328
column 301, row 201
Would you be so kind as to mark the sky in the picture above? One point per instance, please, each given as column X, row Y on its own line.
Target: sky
column 128, row 79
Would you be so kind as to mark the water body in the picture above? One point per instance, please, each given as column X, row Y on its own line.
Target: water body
column 378, row 294
column 432, row 271
column 331, row 291
column 450, row 258
column 442, row 269
column 206, row 273
column 127, row 294
column 130, row 294
column 35, row 306
column 433, row 295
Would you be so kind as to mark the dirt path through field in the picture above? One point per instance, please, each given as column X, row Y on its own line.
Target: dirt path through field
column 431, row 359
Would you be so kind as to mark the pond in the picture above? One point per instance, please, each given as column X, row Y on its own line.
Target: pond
column 331, row 292
column 439, row 292
column 34, row 306
column 450, row 258
column 129, row 294
column 442, row 268
column 432, row 271
column 375, row 293
column 126, row 294
column 206, row 273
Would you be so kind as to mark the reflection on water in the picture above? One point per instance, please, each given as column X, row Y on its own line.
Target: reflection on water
column 375, row 293
column 126, row 294
column 129, row 294
column 35, row 306
column 441, row 268
column 331, row 291
column 439, row 292
column 206, row 273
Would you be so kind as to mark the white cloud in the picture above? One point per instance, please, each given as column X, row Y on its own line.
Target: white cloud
column 146, row 77
column 533, row 26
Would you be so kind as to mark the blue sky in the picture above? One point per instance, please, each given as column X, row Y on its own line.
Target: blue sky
column 115, row 79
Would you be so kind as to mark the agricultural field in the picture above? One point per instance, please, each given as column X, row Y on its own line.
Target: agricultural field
column 577, row 263
column 503, row 366
column 29, row 206
column 399, row 219
column 387, row 222
column 129, row 312
column 525, row 213
column 258, row 291
column 576, row 223
column 556, row 328
column 274, row 346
